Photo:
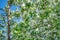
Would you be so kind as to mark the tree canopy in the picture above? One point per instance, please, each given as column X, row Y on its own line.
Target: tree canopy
column 32, row 20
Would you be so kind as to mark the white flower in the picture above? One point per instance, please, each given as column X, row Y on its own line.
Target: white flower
column 50, row 9
column 53, row 14
column 15, row 31
column 23, row 4
column 37, row 10
column 38, row 16
column 49, row 25
column 37, row 29
column 28, row 0
column 10, row 18
column 44, row 20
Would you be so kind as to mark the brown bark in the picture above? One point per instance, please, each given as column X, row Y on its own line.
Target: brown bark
column 8, row 16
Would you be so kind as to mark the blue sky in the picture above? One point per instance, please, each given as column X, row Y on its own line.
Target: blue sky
column 3, row 3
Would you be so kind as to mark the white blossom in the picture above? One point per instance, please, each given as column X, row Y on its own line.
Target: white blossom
column 28, row 0
column 23, row 4
column 49, row 25
column 37, row 29
column 45, row 20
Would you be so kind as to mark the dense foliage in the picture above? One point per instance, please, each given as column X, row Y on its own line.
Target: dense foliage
column 34, row 20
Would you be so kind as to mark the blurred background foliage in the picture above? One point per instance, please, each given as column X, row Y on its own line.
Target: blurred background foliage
column 32, row 20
